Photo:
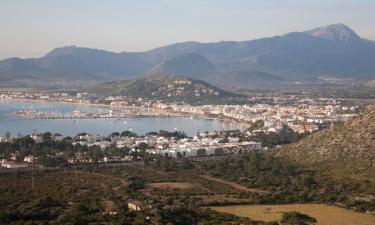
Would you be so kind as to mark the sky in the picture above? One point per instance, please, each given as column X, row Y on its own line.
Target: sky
column 31, row 28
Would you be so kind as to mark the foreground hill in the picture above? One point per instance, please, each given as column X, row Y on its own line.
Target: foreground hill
column 343, row 151
column 169, row 88
column 334, row 50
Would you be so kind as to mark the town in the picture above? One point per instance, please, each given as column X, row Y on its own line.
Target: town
column 263, row 117
column 300, row 113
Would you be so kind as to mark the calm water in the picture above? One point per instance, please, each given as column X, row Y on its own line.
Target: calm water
column 66, row 127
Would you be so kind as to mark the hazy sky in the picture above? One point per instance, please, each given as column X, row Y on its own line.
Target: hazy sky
column 30, row 28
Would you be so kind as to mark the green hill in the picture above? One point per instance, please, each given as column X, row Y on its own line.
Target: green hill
column 170, row 89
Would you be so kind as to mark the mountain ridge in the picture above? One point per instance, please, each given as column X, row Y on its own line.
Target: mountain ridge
column 335, row 50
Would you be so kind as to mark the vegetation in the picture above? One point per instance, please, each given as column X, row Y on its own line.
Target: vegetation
column 256, row 125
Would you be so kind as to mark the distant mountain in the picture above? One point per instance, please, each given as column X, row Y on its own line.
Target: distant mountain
column 191, row 65
column 334, row 50
column 167, row 88
column 75, row 63
column 345, row 151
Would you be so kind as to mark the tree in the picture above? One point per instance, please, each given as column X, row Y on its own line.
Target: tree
column 256, row 125
column 128, row 134
column 296, row 218
column 95, row 153
column 135, row 183
column 115, row 134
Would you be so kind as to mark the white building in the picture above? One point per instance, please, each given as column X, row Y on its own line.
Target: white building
column 37, row 137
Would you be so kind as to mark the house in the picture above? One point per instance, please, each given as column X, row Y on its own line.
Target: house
column 255, row 145
column 57, row 137
column 28, row 159
column 37, row 137
column 138, row 206
column 13, row 164
column 233, row 139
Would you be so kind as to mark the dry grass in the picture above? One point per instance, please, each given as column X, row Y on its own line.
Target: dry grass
column 326, row 215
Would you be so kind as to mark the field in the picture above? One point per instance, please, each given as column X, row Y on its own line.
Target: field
column 326, row 215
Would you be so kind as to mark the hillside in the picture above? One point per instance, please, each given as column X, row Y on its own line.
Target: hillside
column 168, row 88
column 343, row 151
column 333, row 50
column 247, row 79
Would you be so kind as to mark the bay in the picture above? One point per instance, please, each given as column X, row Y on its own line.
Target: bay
column 68, row 127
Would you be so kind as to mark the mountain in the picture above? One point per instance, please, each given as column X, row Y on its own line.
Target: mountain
column 337, row 32
column 345, row 151
column 246, row 79
column 75, row 63
column 334, row 50
column 191, row 65
column 167, row 88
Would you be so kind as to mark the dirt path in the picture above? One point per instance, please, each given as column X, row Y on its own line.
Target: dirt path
column 234, row 185
column 122, row 181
